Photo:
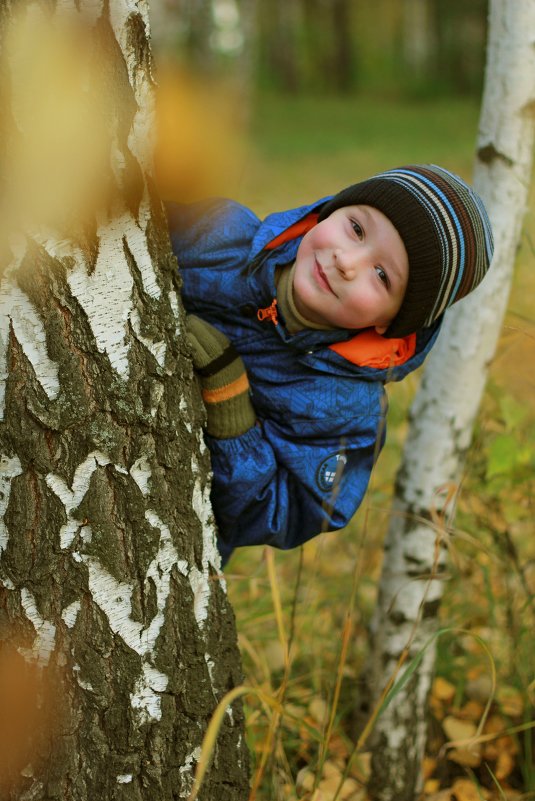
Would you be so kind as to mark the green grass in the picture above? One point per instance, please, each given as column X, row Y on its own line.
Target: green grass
column 306, row 147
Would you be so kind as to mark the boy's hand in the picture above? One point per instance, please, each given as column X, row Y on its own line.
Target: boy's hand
column 225, row 388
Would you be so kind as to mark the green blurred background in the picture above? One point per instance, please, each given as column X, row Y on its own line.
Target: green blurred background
column 393, row 47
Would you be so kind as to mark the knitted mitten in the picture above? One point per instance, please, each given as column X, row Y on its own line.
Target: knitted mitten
column 225, row 388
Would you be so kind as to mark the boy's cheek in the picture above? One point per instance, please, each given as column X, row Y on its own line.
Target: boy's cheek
column 302, row 291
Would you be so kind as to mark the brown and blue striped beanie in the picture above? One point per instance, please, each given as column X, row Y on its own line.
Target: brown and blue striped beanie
column 444, row 227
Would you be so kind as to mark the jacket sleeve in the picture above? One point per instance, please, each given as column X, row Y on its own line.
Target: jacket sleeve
column 210, row 231
column 273, row 487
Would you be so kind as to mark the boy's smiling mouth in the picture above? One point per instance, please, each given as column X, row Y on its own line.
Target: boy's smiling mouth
column 321, row 278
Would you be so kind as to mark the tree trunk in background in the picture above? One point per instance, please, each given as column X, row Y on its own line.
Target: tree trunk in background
column 183, row 30
column 109, row 574
column 282, row 45
column 247, row 63
column 168, row 19
column 443, row 413
column 343, row 45
column 200, row 29
column 418, row 36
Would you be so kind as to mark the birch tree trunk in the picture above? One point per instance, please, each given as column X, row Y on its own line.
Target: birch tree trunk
column 110, row 580
column 443, row 413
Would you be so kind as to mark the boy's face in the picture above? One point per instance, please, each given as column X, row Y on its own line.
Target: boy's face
column 351, row 270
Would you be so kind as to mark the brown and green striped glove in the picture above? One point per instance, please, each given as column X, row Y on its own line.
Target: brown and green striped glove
column 225, row 388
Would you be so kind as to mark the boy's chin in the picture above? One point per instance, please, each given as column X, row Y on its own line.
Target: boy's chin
column 380, row 329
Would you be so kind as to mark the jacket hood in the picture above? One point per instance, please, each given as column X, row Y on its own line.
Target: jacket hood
column 275, row 224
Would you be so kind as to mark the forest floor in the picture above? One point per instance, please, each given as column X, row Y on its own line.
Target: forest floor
column 302, row 149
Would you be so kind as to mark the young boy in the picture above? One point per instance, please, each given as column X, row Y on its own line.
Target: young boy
column 322, row 305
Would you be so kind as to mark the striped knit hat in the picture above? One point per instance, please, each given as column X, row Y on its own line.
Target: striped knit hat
column 444, row 227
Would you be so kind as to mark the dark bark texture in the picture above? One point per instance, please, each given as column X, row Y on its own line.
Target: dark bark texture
column 109, row 579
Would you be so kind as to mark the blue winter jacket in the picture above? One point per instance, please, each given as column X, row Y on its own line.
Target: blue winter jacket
column 304, row 468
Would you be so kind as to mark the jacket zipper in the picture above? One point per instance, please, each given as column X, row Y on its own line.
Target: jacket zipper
column 269, row 313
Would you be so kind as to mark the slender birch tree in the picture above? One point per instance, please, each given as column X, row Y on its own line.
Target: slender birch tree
column 110, row 580
column 444, row 411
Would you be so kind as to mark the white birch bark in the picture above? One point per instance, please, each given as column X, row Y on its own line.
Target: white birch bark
column 443, row 413
column 109, row 574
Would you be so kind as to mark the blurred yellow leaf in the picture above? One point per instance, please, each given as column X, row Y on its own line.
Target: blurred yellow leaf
column 467, row 757
column 350, row 790
column 331, row 769
column 457, row 729
column 199, row 146
column 338, row 748
column 431, row 786
column 504, row 765
column 319, row 710
column 294, row 711
column 441, row 795
column 361, row 766
column 494, row 724
column 274, row 655
column 24, row 723
column 304, row 781
column 328, row 789
column 329, row 786
column 472, row 710
column 437, row 707
column 442, row 689
column 466, row 790
column 510, row 700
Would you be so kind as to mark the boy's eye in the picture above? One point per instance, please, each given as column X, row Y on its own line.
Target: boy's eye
column 382, row 276
column 357, row 228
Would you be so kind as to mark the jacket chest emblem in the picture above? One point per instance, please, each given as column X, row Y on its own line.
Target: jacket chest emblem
column 330, row 471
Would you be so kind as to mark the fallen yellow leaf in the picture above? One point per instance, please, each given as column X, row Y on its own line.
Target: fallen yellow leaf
column 338, row 748
column 442, row 795
column 472, row 710
column 457, row 729
column 442, row 689
column 466, row 790
column 504, row 765
column 468, row 758
column 493, row 724
column 437, row 707
column 510, row 700
column 319, row 710
column 350, row 789
column 304, row 781
column 361, row 767
column 329, row 786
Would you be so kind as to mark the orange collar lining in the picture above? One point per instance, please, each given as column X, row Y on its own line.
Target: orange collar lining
column 300, row 228
column 370, row 349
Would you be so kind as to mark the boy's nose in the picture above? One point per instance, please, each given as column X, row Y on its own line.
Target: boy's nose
column 347, row 263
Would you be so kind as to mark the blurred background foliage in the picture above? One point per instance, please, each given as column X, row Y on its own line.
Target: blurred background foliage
column 293, row 100
column 393, row 47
